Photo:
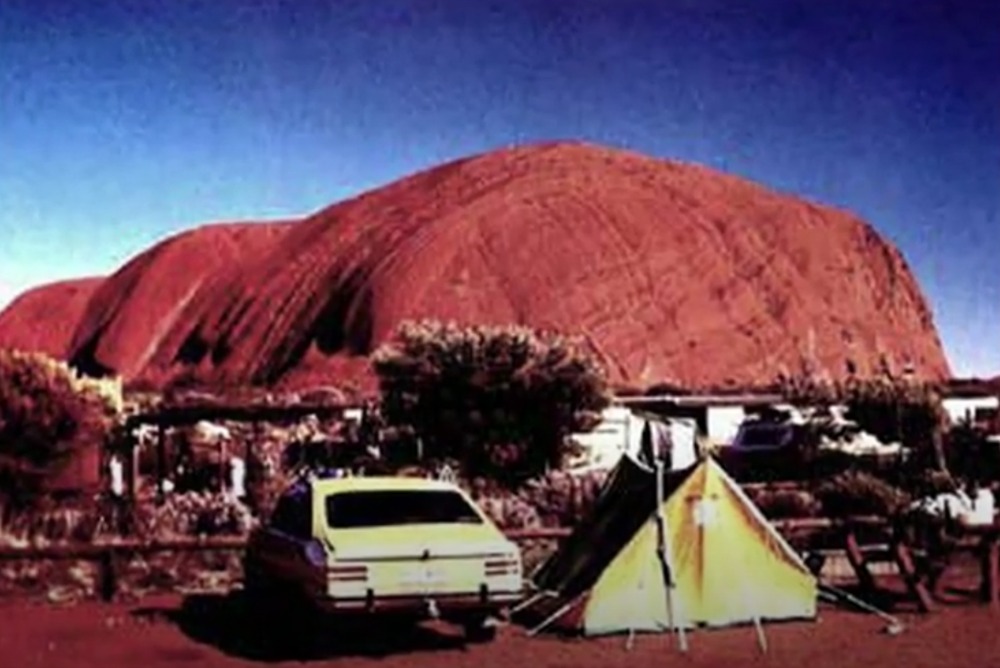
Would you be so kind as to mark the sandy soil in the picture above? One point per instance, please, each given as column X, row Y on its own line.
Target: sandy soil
column 209, row 630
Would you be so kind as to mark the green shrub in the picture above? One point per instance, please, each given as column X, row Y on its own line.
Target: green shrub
column 775, row 504
column 894, row 409
column 970, row 455
column 46, row 412
column 859, row 493
column 498, row 400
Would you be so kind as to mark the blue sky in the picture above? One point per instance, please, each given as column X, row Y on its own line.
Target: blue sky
column 123, row 122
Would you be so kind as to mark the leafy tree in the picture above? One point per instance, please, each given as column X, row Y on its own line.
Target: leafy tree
column 499, row 401
column 46, row 412
column 970, row 454
column 901, row 410
column 893, row 408
column 860, row 493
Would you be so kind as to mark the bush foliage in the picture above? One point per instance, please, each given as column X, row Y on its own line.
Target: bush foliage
column 500, row 401
column 893, row 409
column 860, row 493
column 46, row 411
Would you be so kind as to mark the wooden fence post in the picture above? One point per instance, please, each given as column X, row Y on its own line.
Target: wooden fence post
column 990, row 563
column 250, row 480
column 107, row 577
column 161, row 463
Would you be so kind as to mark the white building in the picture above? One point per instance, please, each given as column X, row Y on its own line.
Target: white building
column 717, row 416
column 621, row 430
column 970, row 408
column 723, row 423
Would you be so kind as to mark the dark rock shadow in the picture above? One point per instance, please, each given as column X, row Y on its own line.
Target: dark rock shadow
column 227, row 623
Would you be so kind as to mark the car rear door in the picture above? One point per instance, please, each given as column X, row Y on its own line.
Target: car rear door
column 283, row 545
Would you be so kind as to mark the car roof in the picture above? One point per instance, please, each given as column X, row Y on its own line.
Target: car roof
column 380, row 484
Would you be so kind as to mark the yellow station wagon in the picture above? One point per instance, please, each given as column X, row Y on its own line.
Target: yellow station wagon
column 408, row 547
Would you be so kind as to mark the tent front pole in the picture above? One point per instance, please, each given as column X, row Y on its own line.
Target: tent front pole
column 662, row 552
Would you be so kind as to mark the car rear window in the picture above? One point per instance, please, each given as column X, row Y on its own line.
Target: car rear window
column 348, row 510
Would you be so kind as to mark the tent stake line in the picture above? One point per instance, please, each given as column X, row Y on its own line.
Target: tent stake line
column 554, row 617
column 894, row 625
column 530, row 601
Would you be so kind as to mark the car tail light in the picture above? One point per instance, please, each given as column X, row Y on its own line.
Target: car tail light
column 315, row 553
column 344, row 573
column 505, row 565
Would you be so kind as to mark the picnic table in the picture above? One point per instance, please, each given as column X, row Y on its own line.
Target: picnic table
column 983, row 539
column 893, row 547
column 934, row 542
column 864, row 540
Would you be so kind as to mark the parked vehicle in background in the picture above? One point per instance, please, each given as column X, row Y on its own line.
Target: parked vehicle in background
column 385, row 547
column 789, row 445
column 767, row 448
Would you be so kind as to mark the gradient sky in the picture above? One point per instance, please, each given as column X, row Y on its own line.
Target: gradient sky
column 124, row 121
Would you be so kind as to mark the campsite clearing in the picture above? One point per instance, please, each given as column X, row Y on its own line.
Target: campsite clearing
column 165, row 632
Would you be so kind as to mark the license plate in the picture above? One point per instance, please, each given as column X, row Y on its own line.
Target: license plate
column 422, row 578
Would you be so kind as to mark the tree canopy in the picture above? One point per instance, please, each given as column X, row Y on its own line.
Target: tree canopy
column 894, row 409
column 46, row 411
column 499, row 401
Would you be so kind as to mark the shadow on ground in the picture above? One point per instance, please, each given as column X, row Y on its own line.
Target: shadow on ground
column 226, row 622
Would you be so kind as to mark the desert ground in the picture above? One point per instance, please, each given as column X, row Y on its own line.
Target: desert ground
column 207, row 630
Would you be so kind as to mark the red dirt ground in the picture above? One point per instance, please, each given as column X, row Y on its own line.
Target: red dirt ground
column 162, row 633
column 674, row 272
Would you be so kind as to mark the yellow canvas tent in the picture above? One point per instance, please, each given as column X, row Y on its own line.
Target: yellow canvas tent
column 728, row 565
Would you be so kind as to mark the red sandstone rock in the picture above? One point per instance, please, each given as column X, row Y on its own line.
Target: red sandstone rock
column 135, row 307
column 674, row 272
column 43, row 319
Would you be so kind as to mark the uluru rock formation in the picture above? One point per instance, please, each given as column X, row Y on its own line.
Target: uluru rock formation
column 673, row 272
column 43, row 319
column 131, row 311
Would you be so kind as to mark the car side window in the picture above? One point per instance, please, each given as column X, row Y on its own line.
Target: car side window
column 293, row 516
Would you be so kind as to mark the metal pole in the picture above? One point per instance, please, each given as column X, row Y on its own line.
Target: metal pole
column 530, row 601
column 161, row 463
column 895, row 626
column 628, row 431
column 663, row 552
column 131, row 464
column 248, row 484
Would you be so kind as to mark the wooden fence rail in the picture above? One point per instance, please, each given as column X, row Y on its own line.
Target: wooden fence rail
column 775, row 486
column 107, row 554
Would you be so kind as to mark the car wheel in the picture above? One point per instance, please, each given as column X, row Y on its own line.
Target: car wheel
column 479, row 631
column 258, row 590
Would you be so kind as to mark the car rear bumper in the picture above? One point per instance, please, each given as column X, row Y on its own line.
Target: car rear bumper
column 429, row 606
